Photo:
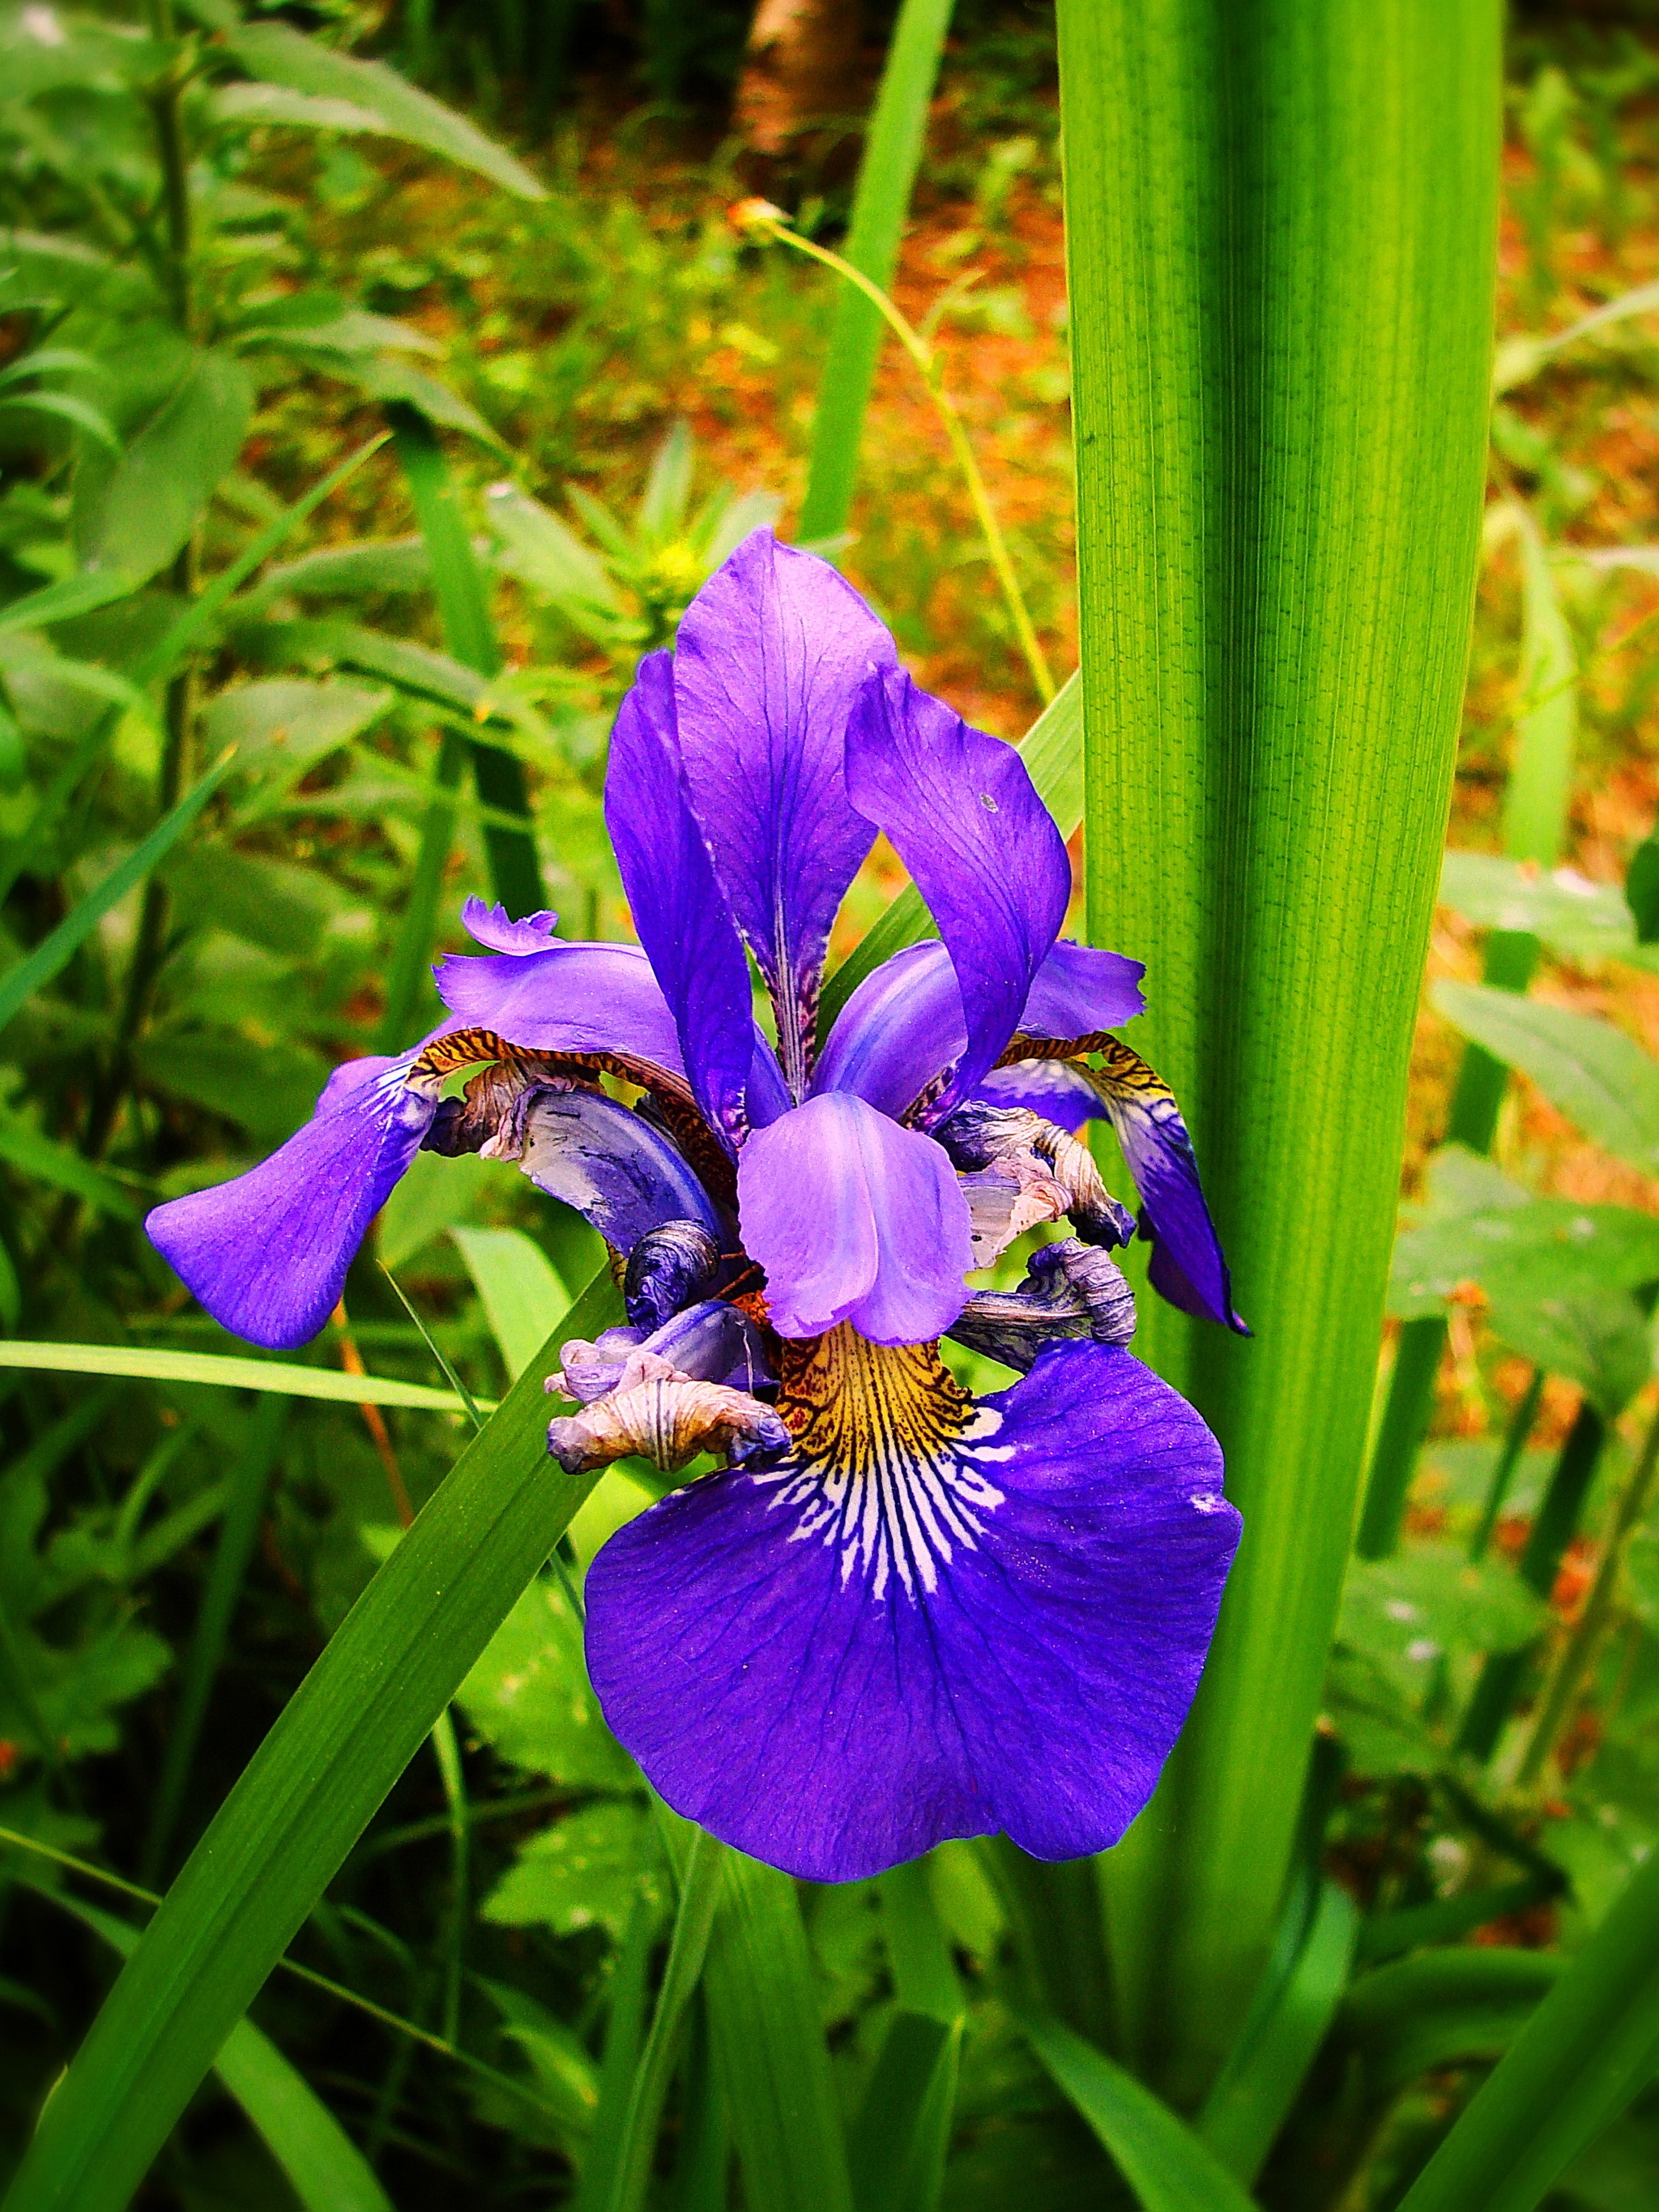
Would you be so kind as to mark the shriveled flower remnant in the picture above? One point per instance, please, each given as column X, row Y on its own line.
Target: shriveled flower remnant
column 898, row 1613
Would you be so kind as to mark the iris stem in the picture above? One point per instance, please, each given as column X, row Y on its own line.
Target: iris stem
column 756, row 214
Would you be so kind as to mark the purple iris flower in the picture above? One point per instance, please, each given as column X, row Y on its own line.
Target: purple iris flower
column 896, row 1613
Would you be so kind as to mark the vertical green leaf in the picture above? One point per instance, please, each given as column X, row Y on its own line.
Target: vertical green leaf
column 881, row 199
column 1591, row 2045
column 310, row 1789
column 463, row 596
column 521, row 1292
column 767, row 2036
column 1280, row 232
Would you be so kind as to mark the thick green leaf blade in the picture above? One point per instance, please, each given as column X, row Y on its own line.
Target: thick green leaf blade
column 54, row 953
column 1408, row 2018
column 275, row 55
column 347, row 1734
column 1594, row 1072
column 328, row 2171
column 1167, row 2166
column 899, row 2145
column 1280, row 229
column 1590, row 2046
column 881, row 200
column 770, row 2052
column 1248, row 2106
column 225, row 1372
column 521, row 1292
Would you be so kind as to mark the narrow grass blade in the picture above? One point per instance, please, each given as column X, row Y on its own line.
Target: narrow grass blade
column 925, row 1977
column 1052, row 750
column 767, row 2036
column 1167, row 2166
column 328, row 2172
column 458, row 583
column 1280, row 235
column 701, row 1874
column 881, row 199
column 55, row 951
column 624, row 2035
column 1590, row 2046
column 237, row 1537
column 1406, row 2020
column 899, row 2145
column 1248, row 2106
column 343, row 1739
column 519, row 1289
column 143, row 1364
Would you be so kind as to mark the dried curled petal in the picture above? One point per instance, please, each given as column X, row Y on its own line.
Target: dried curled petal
column 1053, row 1176
column 1071, row 1289
column 667, row 1417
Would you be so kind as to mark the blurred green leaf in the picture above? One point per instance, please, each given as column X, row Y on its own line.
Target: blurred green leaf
column 528, row 1695
column 1579, row 920
column 582, row 1871
column 1596, row 1338
column 132, row 514
column 903, row 2134
column 283, row 728
column 1592, row 1072
column 274, row 55
column 1440, row 2008
column 521, row 1292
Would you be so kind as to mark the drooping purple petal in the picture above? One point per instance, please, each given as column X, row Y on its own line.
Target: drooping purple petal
column 1187, row 1266
column 982, row 848
column 835, row 1668
column 711, row 1341
column 1048, row 1087
column 678, row 909
column 853, row 1218
column 620, row 1174
column 267, row 1253
column 490, row 926
column 770, row 656
column 904, row 1022
column 570, row 997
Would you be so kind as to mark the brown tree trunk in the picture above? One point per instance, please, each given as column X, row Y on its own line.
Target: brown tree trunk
column 801, row 67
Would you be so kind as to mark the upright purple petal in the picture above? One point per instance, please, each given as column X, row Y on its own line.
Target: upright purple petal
column 771, row 654
column 678, row 909
column 267, row 1253
column 854, row 1219
column 904, row 1022
column 570, row 997
column 835, row 1664
column 982, row 848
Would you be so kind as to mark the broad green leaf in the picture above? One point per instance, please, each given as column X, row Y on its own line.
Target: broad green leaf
column 279, row 904
column 41, row 1157
column 75, row 595
column 1407, row 1612
column 283, row 728
column 1598, row 1338
column 1169, row 2167
column 132, row 515
column 432, row 1197
column 274, row 55
column 546, row 555
column 145, row 1364
column 243, row 102
column 1585, row 2053
column 1244, row 2112
column 1521, row 1254
column 54, row 952
column 528, row 1697
column 1594, row 1072
column 583, row 1870
column 328, row 2169
column 521, row 1292
column 1279, row 234
column 268, row 1089
column 881, row 200
column 345, row 1736
column 1430, row 2011
column 346, row 572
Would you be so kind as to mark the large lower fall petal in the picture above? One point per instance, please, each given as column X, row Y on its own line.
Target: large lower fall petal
column 855, row 1219
column 267, row 1254
column 932, row 1618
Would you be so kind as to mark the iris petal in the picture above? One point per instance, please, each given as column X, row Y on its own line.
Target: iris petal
column 904, row 1022
column 568, row 998
column 770, row 656
column 853, row 1218
column 834, row 1665
column 677, row 908
column 267, row 1253
column 982, row 848
column 622, row 1176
